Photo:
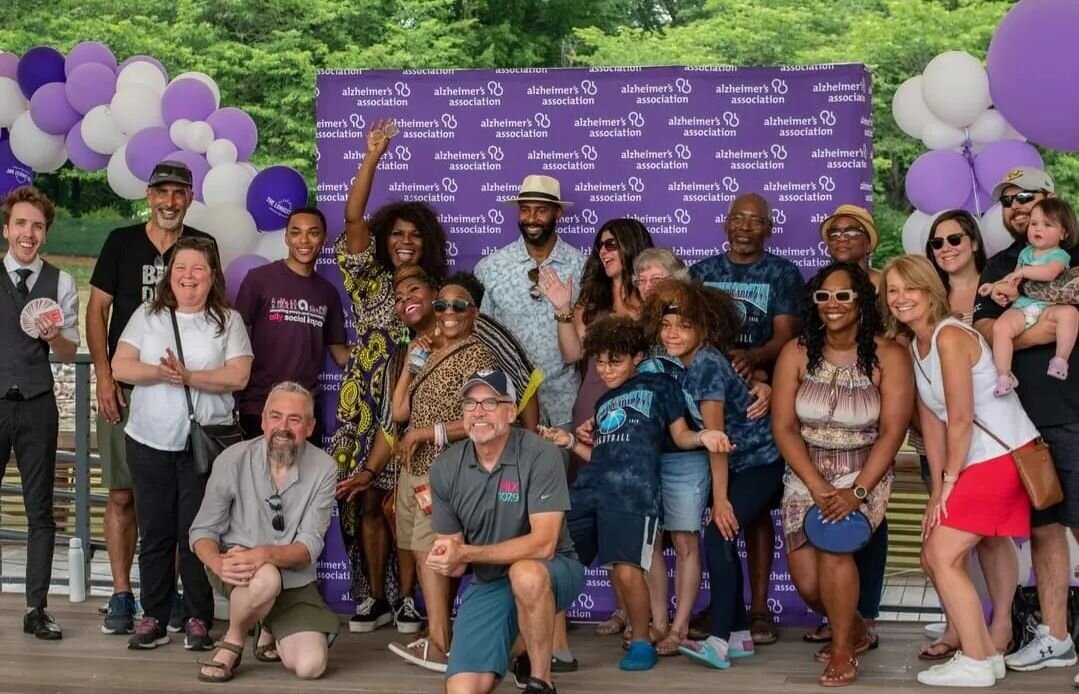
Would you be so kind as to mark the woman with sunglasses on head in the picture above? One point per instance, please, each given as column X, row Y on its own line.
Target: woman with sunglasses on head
column 840, row 408
column 212, row 360
column 427, row 401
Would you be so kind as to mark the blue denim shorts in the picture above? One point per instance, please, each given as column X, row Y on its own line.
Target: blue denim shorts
column 685, row 486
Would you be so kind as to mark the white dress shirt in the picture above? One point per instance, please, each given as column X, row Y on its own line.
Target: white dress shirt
column 67, row 295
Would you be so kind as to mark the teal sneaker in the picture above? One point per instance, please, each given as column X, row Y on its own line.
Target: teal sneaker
column 640, row 656
column 712, row 652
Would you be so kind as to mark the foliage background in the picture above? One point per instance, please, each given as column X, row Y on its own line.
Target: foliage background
column 264, row 55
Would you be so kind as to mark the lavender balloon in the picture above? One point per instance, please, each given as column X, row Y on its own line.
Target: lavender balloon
column 39, row 66
column 1030, row 79
column 998, row 158
column 237, row 270
column 51, row 111
column 9, row 65
column 198, row 165
column 235, row 125
column 13, row 173
column 89, row 53
column 146, row 149
column 187, row 98
column 82, row 156
column 89, row 85
column 274, row 193
column 938, row 180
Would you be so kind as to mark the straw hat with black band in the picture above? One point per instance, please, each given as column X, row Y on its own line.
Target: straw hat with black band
column 539, row 188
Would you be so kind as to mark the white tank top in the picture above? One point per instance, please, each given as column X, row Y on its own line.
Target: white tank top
column 1004, row 416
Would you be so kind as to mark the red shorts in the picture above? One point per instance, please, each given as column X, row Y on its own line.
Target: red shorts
column 989, row 500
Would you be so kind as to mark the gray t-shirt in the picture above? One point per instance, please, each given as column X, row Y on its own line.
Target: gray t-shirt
column 492, row 507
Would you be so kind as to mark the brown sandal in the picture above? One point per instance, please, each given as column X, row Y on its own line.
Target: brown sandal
column 841, row 671
column 261, row 649
column 822, row 634
column 668, row 645
column 762, row 627
column 227, row 671
column 869, row 642
column 614, row 624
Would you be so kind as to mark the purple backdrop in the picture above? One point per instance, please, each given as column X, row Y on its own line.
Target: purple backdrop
column 671, row 146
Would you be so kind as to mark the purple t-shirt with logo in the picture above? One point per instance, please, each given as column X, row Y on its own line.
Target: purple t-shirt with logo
column 291, row 319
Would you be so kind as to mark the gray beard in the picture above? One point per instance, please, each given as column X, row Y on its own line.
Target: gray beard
column 285, row 455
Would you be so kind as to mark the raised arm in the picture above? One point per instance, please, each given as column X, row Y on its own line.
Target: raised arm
column 357, row 234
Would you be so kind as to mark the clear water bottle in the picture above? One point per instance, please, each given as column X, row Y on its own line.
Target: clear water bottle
column 76, row 571
column 417, row 357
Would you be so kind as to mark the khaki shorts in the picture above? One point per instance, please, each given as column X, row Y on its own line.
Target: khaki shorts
column 294, row 611
column 115, row 473
column 414, row 531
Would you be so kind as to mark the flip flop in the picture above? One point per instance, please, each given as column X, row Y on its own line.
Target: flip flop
column 228, row 671
column 260, row 650
column 613, row 625
column 818, row 635
column 762, row 627
column 926, row 654
column 668, row 645
column 868, row 643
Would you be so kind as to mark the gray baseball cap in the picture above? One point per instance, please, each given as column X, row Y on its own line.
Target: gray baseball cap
column 1027, row 178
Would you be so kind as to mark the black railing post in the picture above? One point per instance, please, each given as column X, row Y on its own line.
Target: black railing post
column 82, row 458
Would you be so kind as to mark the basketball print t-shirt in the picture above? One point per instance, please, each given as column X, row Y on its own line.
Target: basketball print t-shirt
column 632, row 423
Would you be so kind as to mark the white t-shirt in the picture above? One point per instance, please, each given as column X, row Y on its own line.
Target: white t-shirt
column 159, row 412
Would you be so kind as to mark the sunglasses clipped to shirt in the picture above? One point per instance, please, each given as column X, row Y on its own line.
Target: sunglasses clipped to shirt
column 937, row 242
column 1022, row 197
column 841, row 296
column 534, row 290
column 458, row 305
column 278, row 508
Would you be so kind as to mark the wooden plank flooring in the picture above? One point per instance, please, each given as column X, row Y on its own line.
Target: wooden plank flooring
column 91, row 663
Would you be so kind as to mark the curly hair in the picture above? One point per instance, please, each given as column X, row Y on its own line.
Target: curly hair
column 813, row 332
column 467, row 281
column 615, row 335
column 33, row 196
column 217, row 303
column 419, row 214
column 597, row 289
column 711, row 311
column 969, row 224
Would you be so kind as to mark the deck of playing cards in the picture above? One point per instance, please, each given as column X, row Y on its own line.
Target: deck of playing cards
column 39, row 307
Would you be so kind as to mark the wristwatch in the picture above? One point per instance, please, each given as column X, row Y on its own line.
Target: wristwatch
column 861, row 493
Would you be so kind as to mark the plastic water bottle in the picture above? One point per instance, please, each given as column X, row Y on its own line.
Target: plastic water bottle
column 76, row 571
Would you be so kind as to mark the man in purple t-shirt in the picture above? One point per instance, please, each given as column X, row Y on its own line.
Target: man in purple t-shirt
column 293, row 315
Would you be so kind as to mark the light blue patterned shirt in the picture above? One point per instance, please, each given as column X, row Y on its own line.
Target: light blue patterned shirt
column 504, row 274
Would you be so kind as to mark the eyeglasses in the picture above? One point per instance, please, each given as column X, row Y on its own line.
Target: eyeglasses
column 937, row 242
column 534, row 290
column 845, row 233
column 750, row 221
column 841, row 296
column 278, row 507
column 1022, row 197
column 649, row 281
column 608, row 244
column 488, row 404
column 458, row 305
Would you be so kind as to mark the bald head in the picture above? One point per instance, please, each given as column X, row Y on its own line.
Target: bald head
column 748, row 225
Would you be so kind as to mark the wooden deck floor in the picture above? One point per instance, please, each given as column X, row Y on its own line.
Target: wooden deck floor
column 90, row 663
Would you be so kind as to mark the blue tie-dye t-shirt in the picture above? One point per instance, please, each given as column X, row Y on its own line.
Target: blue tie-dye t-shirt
column 632, row 423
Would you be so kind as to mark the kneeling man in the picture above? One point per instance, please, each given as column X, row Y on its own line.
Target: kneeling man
column 500, row 499
column 259, row 532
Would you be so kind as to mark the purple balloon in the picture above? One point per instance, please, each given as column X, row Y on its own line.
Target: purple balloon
column 9, row 65
column 1029, row 78
column 50, row 110
column 998, row 158
column 39, row 66
column 13, row 173
column 146, row 149
column 274, row 193
column 237, row 270
column 978, row 205
column 938, row 180
column 89, row 85
column 196, row 162
column 81, row 155
column 145, row 59
column 231, row 123
column 187, row 98
column 89, row 52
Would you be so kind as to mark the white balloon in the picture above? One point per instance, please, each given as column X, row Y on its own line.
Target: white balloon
column 988, row 127
column 220, row 152
column 178, row 132
column 940, row 135
column 909, row 109
column 1011, row 133
column 199, row 136
column 233, row 227
column 136, row 107
column 100, row 132
column 141, row 73
column 226, row 184
column 995, row 235
column 250, row 167
column 272, row 245
column 916, row 232
column 34, row 147
column 57, row 161
column 205, row 79
column 955, row 87
column 195, row 215
column 121, row 180
column 12, row 103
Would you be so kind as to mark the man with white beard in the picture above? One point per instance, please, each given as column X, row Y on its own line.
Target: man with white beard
column 259, row 531
column 500, row 499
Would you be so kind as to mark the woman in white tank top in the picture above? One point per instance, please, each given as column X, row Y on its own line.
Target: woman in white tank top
column 976, row 490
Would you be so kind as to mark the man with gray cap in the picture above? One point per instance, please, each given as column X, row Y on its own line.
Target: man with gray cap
column 1054, row 411
column 130, row 264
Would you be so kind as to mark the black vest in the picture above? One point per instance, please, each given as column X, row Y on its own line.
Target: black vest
column 25, row 361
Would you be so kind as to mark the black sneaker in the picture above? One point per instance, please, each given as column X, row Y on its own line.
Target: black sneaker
column 40, row 623
column 148, row 634
column 370, row 615
column 558, row 665
column 120, row 617
column 197, row 635
column 177, row 621
column 538, row 686
column 406, row 616
column 521, row 670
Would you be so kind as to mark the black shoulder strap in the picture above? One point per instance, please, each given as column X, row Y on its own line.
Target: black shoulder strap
column 180, row 354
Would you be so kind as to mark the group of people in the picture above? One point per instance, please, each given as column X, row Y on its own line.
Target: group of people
column 551, row 409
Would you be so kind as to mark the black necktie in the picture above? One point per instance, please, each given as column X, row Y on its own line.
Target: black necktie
column 21, row 286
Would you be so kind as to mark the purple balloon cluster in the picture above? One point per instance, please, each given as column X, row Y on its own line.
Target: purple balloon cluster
column 945, row 179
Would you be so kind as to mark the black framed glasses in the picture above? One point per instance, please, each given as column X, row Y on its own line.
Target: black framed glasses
column 845, row 233
column 534, row 290
column 937, row 242
column 841, row 296
column 488, row 404
column 457, row 305
column 278, row 508
column 1022, row 197
column 608, row 244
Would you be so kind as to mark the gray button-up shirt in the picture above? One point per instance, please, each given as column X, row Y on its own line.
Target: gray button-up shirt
column 236, row 510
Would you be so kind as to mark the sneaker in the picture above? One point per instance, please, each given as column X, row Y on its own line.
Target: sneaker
column 197, row 636
column 559, row 665
column 176, row 615
column 538, row 686
column 741, row 645
column 120, row 616
column 640, row 656
column 712, row 651
column 40, row 623
column 406, row 616
column 521, row 671
column 148, row 634
column 1043, row 651
column 370, row 615
column 1000, row 671
column 960, row 671
column 420, row 652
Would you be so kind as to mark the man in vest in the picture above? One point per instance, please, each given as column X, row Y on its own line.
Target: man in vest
column 29, row 421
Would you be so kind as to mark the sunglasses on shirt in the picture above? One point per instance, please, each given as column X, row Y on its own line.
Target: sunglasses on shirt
column 534, row 290
column 937, row 242
column 1022, row 197
column 457, row 305
column 278, row 508
column 841, row 296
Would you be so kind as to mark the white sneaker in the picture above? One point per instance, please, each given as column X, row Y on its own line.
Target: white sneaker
column 1042, row 652
column 960, row 671
column 1000, row 671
